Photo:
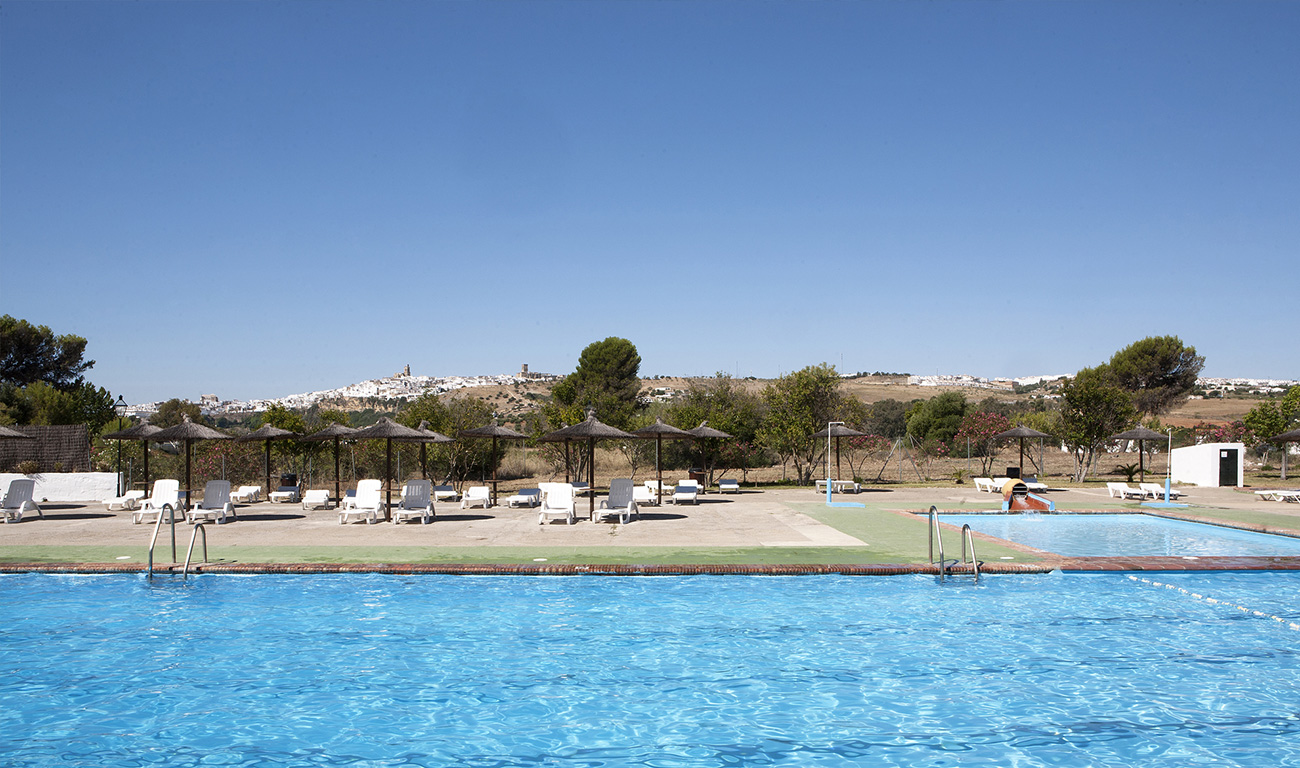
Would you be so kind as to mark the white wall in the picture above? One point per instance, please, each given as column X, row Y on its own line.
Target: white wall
column 67, row 486
column 1199, row 464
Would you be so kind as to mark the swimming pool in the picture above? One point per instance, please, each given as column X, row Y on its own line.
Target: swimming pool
column 1049, row 670
column 1126, row 535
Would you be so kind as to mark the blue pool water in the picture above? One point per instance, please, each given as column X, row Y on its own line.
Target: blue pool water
column 1048, row 670
column 1121, row 535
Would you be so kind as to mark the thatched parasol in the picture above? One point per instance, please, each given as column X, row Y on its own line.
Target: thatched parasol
column 13, row 434
column 590, row 430
column 496, row 432
column 837, row 431
column 430, row 436
column 659, row 430
column 267, row 433
column 1020, row 433
column 142, row 432
column 188, row 432
column 1286, row 437
column 333, row 432
column 1140, row 434
column 705, row 432
column 389, row 430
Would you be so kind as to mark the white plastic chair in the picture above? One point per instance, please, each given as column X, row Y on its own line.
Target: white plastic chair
column 216, row 505
column 166, row 495
column 557, row 501
column 416, row 502
column 18, row 500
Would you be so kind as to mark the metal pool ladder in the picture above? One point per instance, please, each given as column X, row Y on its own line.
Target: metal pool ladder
column 946, row 566
column 171, row 516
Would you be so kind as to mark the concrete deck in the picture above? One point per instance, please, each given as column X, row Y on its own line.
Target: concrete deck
column 762, row 523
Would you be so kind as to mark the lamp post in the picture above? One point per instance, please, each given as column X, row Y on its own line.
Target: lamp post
column 119, row 408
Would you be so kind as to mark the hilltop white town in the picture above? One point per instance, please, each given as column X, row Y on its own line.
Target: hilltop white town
column 403, row 385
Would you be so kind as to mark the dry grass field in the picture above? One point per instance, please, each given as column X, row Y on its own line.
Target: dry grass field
column 887, row 467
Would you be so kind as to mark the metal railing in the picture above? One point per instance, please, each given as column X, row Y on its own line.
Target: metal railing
column 198, row 528
column 967, row 549
column 171, row 517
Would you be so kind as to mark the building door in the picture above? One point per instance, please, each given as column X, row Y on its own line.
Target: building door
column 1227, row 467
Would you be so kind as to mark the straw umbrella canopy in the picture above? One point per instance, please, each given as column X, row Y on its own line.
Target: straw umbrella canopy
column 1020, row 433
column 389, row 430
column 837, row 431
column 1282, row 439
column 267, row 433
column 13, row 434
column 142, row 432
column 333, row 432
column 590, row 430
column 659, row 430
column 1140, row 434
column 429, row 437
column 187, row 431
column 496, row 432
column 705, row 432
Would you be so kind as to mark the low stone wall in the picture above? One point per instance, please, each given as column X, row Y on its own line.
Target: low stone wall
column 67, row 486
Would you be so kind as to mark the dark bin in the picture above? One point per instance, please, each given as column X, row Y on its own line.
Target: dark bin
column 288, row 479
column 697, row 475
column 1013, row 472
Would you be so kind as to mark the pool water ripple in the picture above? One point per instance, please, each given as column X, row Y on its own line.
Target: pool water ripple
column 372, row 670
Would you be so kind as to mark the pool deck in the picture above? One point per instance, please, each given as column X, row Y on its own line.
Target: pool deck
column 774, row 531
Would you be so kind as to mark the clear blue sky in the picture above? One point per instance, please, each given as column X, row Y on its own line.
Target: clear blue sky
column 261, row 198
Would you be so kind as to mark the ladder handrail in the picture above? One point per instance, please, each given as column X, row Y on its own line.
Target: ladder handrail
column 198, row 526
column 154, row 539
column 967, row 545
column 968, row 539
column 936, row 535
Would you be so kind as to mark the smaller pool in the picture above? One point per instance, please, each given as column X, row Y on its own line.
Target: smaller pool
column 1126, row 535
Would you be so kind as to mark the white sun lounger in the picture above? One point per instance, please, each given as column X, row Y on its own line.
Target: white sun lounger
column 247, row 494
column 728, row 485
column 527, row 497
column 216, row 504
column 367, row 505
column 1157, row 491
column 686, row 490
column 476, row 496
column 166, row 495
column 557, row 501
column 417, row 501
column 1123, row 491
column 126, row 502
column 619, row 503
column 985, row 484
column 316, row 499
column 18, row 500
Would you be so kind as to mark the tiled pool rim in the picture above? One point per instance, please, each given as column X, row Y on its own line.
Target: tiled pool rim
column 1092, row 564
